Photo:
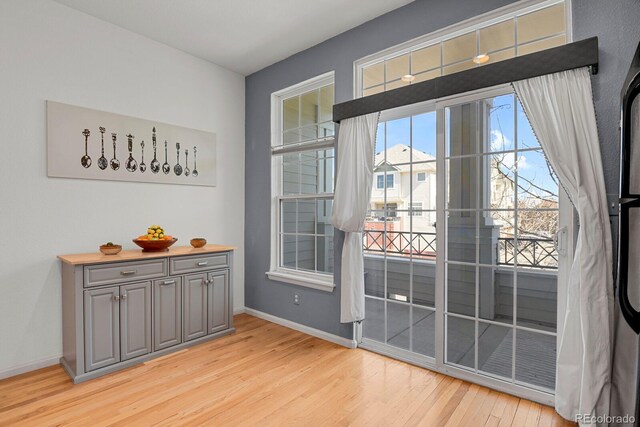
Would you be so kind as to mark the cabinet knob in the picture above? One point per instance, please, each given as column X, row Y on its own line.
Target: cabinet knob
column 206, row 282
column 116, row 297
column 123, row 297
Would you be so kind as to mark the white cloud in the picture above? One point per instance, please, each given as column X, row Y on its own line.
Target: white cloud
column 499, row 141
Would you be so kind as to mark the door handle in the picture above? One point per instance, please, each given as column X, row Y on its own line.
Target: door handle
column 128, row 272
column 168, row 282
column 116, row 297
column 123, row 297
column 560, row 241
column 202, row 263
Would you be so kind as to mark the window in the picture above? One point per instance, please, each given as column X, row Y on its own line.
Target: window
column 389, row 181
column 422, row 176
column 415, row 209
column 302, row 184
column 380, row 184
column 506, row 33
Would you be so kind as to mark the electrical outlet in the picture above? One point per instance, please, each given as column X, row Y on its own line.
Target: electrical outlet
column 296, row 299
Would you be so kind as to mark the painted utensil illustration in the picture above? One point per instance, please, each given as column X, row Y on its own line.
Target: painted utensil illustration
column 143, row 167
column 102, row 161
column 155, row 164
column 187, row 172
column 166, row 168
column 177, row 169
column 85, row 161
column 115, row 163
column 195, row 163
column 131, row 164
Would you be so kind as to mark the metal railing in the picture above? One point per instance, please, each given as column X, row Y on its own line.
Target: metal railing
column 535, row 252
column 531, row 252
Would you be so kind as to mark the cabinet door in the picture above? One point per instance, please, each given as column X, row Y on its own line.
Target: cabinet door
column 194, row 291
column 101, row 327
column 135, row 319
column 218, row 301
column 167, row 312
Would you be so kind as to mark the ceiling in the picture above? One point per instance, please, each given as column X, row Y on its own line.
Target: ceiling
column 241, row 35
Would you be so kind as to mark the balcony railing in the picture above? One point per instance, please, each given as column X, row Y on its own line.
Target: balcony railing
column 531, row 252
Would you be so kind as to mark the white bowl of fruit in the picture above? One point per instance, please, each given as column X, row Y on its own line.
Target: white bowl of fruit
column 156, row 240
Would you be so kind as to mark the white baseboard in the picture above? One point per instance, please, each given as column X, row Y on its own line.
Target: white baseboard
column 31, row 366
column 345, row 342
column 238, row 310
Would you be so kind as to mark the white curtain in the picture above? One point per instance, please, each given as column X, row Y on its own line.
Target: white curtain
column 356, row 151
column 560, row 109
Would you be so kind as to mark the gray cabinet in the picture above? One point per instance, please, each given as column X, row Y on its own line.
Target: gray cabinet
column 117, row 313
column 217, row 305
column 195, row 306
column 167, row 313
column 102, row 327
column 135, row 320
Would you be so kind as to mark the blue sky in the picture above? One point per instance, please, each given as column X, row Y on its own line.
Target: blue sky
column 532, row 165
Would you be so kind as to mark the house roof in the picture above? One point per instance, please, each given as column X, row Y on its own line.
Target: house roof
column 399, row 156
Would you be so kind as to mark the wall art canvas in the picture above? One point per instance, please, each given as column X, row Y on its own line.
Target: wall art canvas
column 92, row 144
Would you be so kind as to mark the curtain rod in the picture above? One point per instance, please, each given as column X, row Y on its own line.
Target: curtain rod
column 579, row 54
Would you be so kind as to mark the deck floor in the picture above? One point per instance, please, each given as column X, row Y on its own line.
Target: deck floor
column 263, row 375
column 535, row 352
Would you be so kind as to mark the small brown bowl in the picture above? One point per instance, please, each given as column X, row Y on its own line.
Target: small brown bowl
column 110, row 249
column 198, row 242
column 154, row 245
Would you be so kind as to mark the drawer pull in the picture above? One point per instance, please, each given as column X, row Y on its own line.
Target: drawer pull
column 116, row 297
column 168, row 282
column 202, row 263
column 128, row 272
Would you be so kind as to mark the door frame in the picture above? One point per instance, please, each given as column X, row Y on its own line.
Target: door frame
column 567, row 227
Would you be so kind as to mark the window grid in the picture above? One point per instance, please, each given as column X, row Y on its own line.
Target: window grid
column 554, row 38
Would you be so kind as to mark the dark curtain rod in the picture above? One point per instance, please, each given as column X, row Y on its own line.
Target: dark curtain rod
column 568, row 57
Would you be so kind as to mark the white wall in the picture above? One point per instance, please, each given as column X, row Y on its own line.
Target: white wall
column 49, row 51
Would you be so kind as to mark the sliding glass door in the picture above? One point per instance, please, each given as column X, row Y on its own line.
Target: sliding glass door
column 461, row 260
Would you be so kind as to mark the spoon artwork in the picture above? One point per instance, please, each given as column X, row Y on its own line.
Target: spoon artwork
column 115, row 163
column 195, row 166
column 155, row 164
column 187, row 172
column 166, row 167
column 102, row 161
column 177, row 169
column 85, row 161
column 143, row 167
column 131, row 164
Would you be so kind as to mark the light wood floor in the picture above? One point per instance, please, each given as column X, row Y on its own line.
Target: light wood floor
column 264, row 374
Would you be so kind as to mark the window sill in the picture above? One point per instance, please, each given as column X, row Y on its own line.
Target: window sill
column 314, row 281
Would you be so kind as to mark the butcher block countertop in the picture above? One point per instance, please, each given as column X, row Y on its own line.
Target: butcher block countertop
column 137, row 254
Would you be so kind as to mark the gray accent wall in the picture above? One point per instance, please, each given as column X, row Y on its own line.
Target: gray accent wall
column 614, row 22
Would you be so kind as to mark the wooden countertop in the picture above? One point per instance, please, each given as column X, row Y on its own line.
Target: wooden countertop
column 136, row 254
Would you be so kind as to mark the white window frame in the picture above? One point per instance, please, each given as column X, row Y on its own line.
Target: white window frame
column 493, row 17
column 415, row 209
column 321, row 281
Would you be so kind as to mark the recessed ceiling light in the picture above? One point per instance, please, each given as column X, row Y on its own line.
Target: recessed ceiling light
column 481, row 59
column 408, row 78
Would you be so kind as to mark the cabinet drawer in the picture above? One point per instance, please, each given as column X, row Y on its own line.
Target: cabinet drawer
column 102, row 274
column 194, row 264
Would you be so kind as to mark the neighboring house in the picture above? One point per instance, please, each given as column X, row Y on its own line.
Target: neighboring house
column 411, row 188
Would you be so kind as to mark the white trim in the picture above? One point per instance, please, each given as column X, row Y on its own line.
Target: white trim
column 30, row 366
column 323, row 282
column 495, row 16
column 345, row 342
column 238, row 310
